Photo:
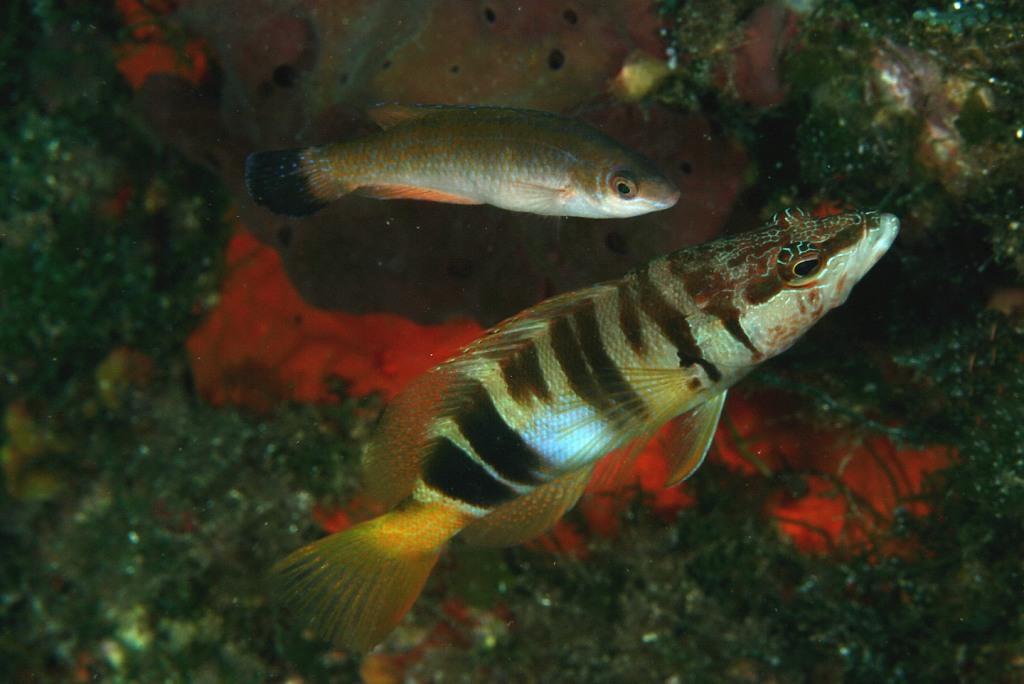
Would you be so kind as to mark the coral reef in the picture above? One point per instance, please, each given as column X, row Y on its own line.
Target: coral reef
column 297, row 73
column 184, row 402
column 264, row 344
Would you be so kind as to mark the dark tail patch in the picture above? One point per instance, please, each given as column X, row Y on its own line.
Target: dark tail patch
column 285, row 182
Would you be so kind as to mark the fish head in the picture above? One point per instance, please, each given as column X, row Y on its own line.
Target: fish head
column 622, row 186
column 789, row 275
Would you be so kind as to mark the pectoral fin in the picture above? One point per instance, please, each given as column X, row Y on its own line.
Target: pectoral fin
column 539, row 198
column 663, row 387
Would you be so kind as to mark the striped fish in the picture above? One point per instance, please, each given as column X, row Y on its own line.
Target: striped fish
column 497, row 443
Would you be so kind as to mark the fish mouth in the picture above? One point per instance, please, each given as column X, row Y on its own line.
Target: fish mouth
column 643, row 205
column 879, row 234
column 879, row 239
column 671, row 198
column 665, row 200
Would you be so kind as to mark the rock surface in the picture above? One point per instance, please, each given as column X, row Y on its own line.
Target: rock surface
column 299, row 73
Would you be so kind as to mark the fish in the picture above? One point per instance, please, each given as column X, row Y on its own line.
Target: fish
column 495, row 444
column 516, row 159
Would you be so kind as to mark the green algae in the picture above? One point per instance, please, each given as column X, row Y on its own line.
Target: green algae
column 108, row 238
column 154, row 565
column 150, row 565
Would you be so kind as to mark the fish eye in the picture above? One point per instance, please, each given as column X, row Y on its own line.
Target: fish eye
column 624, row 186
column 799, row 262
column 806, row 267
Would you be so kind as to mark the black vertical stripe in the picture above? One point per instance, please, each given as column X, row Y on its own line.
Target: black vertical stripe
column 629, row 317
column 730, row 317
column 700, row 280
column 497, row 444
column 524, row 376
column 762, row 289
column 624, row 402
column 724, row 310
column 710, row 292
column 570, row 357
column 673, row 325
column 451, row 471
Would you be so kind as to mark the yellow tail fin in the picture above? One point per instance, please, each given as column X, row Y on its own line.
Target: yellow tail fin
column 356, row 585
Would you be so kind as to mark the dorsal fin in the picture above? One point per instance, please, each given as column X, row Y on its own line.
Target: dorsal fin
column 514, row 335
column 520, row 329
column 392, row 114
column 393, row 457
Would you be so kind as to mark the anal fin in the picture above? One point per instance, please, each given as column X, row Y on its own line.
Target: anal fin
column 539, row 198
column 413, row 192
column 530, row 515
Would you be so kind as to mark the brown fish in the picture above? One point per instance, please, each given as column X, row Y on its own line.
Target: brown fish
column 517, row 159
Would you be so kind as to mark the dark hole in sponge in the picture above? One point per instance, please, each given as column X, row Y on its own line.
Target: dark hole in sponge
column 460, row 268
column 615, row 242
column 489, row 15
column 570, row 16
column 686, row 167
column 284, row 235
column 556, row 59
column 454, row 69
column 285, row 75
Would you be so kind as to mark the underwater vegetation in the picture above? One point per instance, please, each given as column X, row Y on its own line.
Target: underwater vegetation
column 186, row 382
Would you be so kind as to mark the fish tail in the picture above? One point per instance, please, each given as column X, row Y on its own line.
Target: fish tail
column 357, row 585
column 292, row 182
